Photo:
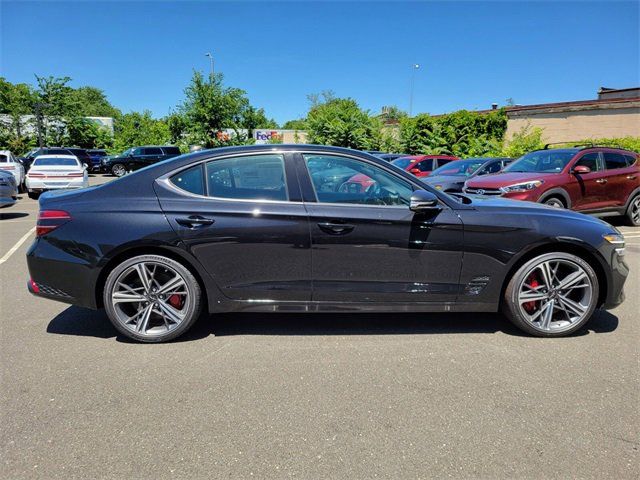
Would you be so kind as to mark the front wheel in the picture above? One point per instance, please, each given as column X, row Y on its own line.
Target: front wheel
column 554, row 202
column 151, row 298
column 552, row 295
column 118, row 170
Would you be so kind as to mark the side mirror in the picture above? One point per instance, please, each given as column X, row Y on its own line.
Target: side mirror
column 581, row 169
column 414, row 170
column 85, row 166
column 422, row 201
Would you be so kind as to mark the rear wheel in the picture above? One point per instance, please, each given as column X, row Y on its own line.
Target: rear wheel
column 552, row 295
column 118, row 170
column 151, row 298
column 554, row 202
column 633, row 212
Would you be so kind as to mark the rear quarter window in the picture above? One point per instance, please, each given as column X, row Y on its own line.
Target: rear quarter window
column 631, row 160
column 614, row 160
column 190, row 180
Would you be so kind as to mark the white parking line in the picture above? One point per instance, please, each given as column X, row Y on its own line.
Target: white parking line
column 16, row 246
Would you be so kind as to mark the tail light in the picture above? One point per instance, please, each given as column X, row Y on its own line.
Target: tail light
column 9, row 167
column 49, row 220
column 75, row 174
column 34, row 174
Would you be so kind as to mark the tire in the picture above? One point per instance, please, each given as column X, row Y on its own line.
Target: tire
column 33, row 195
column 555, row 202
column 148, row 315
column 118, row 169
column 530, row 315
column 633, row 212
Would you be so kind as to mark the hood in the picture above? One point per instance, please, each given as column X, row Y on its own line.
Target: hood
column 507, row 178
column 529, row 208
column 445, row 179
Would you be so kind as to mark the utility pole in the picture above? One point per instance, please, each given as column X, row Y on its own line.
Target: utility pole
column 208, row 54
column 414, row 67
column 38, row 109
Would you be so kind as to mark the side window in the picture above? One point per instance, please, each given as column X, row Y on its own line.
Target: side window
column 588, row 160
column 614, row 160
column 426, row 165
column 190, row 180
column 631, row 160
column 346, row 180
column 3, row 158
column 152, row 151
column 138, row 151
column 493, row 168
column 171, row 150
column 254, row 177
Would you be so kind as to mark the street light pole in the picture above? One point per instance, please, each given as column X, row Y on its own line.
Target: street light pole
column 414, row 67
column 208, row 54
column 38, row 109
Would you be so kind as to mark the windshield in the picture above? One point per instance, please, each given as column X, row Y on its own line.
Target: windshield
column 544, row 161
column 57, row 161
column 402, row 163
column 462, row 168
column 126, row 152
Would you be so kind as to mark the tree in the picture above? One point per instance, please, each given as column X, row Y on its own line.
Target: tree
column 209, row 108
column 341, row 122
column 523, row 141
column 92, row 102
column 16, row 101
column 137, row 128
column 299, row 124
column 253, row 118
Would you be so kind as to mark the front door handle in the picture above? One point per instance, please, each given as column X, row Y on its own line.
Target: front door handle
column 631, row 177
column 336, row 228
column 601, row 180
column 195, row 221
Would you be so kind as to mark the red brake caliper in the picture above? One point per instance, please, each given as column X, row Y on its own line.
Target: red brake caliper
column 533, row 282
column 176, row 301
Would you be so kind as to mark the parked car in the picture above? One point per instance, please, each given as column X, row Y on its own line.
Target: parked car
column 81, row 154
column 422, row 165
column 452, row 176
column 9, row 163
column 32, row 154
column 51, row 172
column 163, row 243
column 598, row 180
column 96, row 156
column 8, row 189
column 138, row 157
column 389, row 156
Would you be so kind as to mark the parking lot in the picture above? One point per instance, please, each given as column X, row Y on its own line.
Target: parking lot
column 314, row 396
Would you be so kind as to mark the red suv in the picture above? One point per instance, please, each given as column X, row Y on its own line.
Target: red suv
column 422, row 165
column 598, row 180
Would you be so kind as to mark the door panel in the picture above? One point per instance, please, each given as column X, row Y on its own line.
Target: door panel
column 367, row 246
column 254, row 249
column 621, row 179
column 587, row 189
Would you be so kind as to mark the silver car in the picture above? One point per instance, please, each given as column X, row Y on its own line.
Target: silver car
column 8, row 189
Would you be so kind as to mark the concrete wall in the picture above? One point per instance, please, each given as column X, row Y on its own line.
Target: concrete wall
column 578, row 124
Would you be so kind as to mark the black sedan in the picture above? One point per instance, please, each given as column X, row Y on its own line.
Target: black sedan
column 452, row 176
column 250, row 229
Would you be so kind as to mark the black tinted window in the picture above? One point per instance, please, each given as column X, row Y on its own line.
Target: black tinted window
column 152, row 151
column 630, row 160
column 614, row 160
column 254, row 177
column 171, row 150
column 190, row 180
column 55, row 151
column 426, row 165
column 3, row 158
column 588, row 160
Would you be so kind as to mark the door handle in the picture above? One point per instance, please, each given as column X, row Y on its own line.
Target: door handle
column 335, row 228
column 631, row 177
column 601, row 180
column 195, row 221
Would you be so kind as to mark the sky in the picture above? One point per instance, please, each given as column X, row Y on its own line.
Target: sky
column 471, row 54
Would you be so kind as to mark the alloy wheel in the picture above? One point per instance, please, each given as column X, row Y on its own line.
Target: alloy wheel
column 555, row 295
column 635, row 210
column 150, row 298
column 555, row 203
column 118, row 170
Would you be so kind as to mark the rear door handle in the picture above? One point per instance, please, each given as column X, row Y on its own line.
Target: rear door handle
column 336, row 228
column 195, row 221
column 601, row 180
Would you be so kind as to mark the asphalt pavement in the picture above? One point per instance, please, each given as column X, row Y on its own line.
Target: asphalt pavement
column 311, row 396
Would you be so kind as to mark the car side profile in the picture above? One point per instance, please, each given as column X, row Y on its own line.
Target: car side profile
column 9, row 163
column 263, row 228
column 8, row 189
column 137, row 157
column 422, row 165
column 452, row 176
column 597, row 180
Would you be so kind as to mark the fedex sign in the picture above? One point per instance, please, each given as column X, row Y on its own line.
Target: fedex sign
column 264, row 136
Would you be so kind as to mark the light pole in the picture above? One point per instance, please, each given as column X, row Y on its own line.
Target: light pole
column 208, row 54
column 414, row 67
column 38, row 107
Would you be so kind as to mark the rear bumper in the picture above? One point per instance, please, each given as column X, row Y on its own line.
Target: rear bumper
column 42, row 185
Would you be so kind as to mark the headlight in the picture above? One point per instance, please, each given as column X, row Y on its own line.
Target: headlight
column 438, row 187
column 521, row 187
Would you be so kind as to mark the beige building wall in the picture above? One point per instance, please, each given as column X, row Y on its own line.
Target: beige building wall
column 579, row 123
column 294, row 136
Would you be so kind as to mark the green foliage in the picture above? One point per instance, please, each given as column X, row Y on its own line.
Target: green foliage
column 92, row 102
column 136, row 128
column 460, row 133
column 526, row 140
column 341, row 122
column 16, row 101
column 628, row 143
column 299, row 124
column 253, row 118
